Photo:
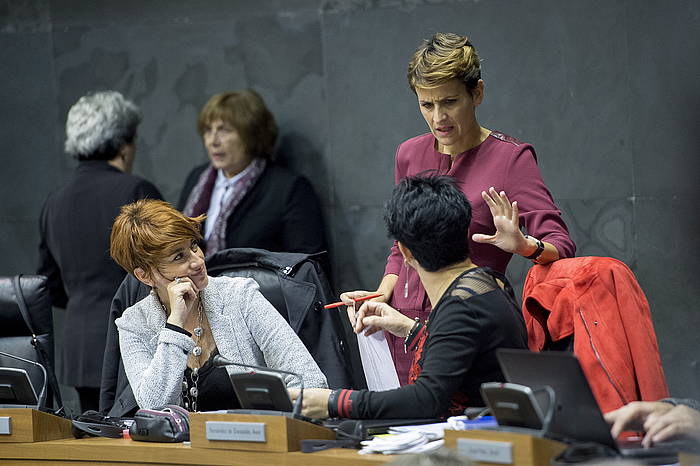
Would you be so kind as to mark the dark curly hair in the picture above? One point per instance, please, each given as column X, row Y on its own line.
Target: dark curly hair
column 430, row 215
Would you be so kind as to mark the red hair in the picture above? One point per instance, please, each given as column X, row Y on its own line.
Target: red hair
column 146, row 230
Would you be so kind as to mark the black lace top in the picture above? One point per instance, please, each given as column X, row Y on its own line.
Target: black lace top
column 456, row 354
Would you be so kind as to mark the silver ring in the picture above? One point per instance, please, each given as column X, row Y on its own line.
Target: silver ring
column 177, row 279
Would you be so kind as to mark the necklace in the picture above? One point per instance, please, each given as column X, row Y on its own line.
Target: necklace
column 191, row 392
column 190, row 396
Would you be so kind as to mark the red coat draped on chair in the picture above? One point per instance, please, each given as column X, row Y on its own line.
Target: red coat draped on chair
column 598, row 300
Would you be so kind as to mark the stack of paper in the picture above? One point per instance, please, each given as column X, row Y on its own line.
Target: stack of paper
column 432, row 431
column 409, row 442
column 376, row 362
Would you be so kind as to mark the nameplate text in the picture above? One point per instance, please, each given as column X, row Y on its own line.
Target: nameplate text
column 486, row 450
column 235, row 431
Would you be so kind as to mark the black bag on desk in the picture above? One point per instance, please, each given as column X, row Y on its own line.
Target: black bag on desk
column 95, row 424
column 170, row 423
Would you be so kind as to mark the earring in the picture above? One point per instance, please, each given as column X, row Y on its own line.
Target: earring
column 405, row 287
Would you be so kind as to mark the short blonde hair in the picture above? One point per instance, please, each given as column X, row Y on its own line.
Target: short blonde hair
column 442, row 58
column 146, row 230
column 247, row 113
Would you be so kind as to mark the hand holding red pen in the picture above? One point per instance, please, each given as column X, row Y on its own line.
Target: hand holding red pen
column 351, row 298
column 355, row 300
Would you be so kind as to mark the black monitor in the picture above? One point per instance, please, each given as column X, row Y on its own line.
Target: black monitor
column 16, row 389
column 261, row 391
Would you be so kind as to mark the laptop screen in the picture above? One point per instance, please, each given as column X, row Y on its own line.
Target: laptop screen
column 577, row 415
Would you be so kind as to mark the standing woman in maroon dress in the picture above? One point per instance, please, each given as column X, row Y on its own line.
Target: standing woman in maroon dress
column 498, row 174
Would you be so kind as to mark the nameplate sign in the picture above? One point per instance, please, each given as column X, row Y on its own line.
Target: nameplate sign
column 5, row 425
column 235, row 431
column 486, row 450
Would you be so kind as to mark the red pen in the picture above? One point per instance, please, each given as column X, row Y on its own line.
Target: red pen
column 363, row 298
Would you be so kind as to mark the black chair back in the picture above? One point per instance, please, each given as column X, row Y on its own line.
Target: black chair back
column 26, row 329
column 296, row 286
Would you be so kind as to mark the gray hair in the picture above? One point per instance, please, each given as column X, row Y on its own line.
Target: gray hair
column 99, row 124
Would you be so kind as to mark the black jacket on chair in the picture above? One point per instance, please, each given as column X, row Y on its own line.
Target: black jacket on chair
column 279, row 213
column 293, row 283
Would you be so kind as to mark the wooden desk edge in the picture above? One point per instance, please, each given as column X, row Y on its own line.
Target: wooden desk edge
column 96, row 449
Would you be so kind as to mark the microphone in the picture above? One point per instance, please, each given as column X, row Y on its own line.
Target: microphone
column 42, row 393
column 220, row 361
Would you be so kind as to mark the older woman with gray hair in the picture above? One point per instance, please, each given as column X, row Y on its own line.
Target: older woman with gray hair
column 75, row 226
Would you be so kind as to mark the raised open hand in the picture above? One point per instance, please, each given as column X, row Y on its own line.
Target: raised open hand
column 508, row 236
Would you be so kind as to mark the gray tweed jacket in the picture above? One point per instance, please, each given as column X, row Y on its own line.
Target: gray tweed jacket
column 246, row 328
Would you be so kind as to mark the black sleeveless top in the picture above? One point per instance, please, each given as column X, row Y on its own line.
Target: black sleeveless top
column 214, row 386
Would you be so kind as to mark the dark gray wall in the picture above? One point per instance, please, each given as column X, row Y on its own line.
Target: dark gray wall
column 606, row 91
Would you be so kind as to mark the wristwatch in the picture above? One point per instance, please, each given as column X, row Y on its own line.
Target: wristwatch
column 540, row 247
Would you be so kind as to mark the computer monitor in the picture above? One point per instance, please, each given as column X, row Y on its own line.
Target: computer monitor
column 16, row 389
column 261, row 391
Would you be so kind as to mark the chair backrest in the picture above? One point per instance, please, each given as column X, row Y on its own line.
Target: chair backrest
column 599, row 302
column 293, row 283
column 296, row 286
column 31, row 336
column 267, row 279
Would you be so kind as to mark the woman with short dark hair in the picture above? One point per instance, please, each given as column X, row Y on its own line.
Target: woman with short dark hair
column 474, row 313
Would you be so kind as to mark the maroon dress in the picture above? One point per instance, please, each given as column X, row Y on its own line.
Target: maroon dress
column 500, row 161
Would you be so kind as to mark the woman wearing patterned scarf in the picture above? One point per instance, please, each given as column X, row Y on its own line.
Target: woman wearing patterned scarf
column 249, row 200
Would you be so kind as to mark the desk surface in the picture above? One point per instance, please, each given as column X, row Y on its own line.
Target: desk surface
column 120, row 451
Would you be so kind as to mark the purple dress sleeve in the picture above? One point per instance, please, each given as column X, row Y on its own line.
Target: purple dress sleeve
column 539, row 214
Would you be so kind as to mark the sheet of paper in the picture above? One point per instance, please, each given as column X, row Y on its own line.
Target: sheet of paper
column 432, row 431
column 408, row 442
column 376, row 362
